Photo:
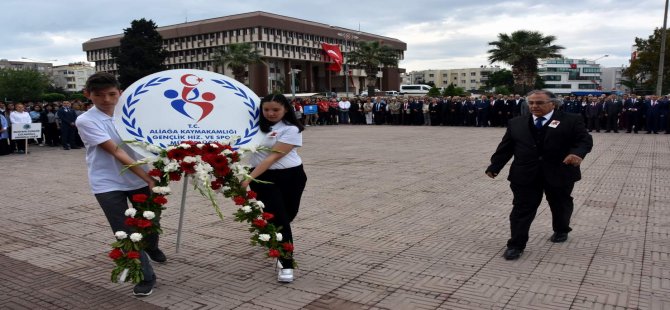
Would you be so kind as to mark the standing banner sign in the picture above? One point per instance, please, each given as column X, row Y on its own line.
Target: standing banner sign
column 172, row 106
column 26, row 131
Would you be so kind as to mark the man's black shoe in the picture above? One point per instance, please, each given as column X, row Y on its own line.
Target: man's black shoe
column 156, row 255
column 559, row 237
column 145, row 287
column 512, row 253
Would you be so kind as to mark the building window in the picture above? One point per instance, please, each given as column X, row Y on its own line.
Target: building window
column 473, row 81
column 587, row 86
column 551, row 77
column 473, row 73
column 463, row 74
column 431, row 75
column 591, row 70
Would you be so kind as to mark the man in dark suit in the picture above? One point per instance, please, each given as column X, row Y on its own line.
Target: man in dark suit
column 548, row 147
column 632, row 108
column 379, row 111
column 67, row 117
column 612, row 109
column 653, row 113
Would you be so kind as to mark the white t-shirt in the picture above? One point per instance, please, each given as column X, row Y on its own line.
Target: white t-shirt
column 104, row 171
column 20, row 117
column 285, row 133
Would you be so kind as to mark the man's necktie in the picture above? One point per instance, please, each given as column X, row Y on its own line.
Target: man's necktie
column 538, row 122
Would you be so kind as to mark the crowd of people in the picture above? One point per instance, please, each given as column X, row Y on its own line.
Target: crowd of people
column 57, row 119
column 629, row 113
column 610, row 113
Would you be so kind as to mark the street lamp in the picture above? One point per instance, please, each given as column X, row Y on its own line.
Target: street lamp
column 347, row 36
column 293, row 72
column 601, row 57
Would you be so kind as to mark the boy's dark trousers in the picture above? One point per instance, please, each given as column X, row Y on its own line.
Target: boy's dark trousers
column 114, row 204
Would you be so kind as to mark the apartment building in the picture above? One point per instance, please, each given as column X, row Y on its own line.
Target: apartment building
column 42, row 67
column 284, row 43
column 72, row 77
column 466, row 78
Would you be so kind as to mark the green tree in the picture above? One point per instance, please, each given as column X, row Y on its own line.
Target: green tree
column 522, row 50
column 642, row 74
column 434, row 92
column 140, row 53
column 237, row 56
column 371, row 56
column 452, row 90
column 500, row 78
column 22, row 85
column 51, row 97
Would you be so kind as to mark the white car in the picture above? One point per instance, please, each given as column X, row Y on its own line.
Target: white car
column 365, row 93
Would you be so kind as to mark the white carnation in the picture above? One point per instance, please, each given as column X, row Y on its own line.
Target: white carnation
column 260, row 204
column 246, row 209
column 136, row 237
column 190, row 159
column 162, row 190
column 214, row 146
column 264, row 237
column 130, row 212
column 121, row 235
column 199, row 145
column 149, row 215
column 225, row 188
column 279, row 237
column 184, row 146
column 171, row 166
column 170, row 148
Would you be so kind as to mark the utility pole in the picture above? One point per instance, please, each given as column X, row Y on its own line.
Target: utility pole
column 659, row 82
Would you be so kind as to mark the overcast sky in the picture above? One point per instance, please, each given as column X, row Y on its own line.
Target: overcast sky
column 443, row 34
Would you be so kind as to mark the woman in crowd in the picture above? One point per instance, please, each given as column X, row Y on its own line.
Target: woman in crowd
column 17, row 118
column 49, row 126
column 8, row 112
column 281, row 170
column 353, row 111
column 367, row 110
column 35, row 115
column 297, row 109
column 4, row 130
column 425, row 109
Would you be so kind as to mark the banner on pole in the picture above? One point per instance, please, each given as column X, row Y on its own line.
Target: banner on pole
column 26, row 131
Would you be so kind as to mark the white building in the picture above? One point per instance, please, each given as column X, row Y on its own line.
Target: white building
column 611, row 79
column 564, row 76
column 467, row 78
column 72, row 77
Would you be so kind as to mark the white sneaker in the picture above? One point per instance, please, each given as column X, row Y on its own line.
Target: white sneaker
column 285, row 275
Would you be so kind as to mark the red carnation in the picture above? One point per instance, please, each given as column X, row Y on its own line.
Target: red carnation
column 176, row 154
column 267, row 216
column 215, row 185
column 260, row 223
column 142, row 223
column 209, row 158
column 155, row 173
column 234, row 157
column 251, row 195
column 274, row 253
column 239, row 200
column 133, row 255
column 130, row 221
column 174, row 176
column 188, row 168
column 139, row 198
column 161, row 200
column 115, row 254
column 287, row 246
column 222, row 171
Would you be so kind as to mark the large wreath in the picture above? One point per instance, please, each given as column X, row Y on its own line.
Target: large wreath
column 214, row 168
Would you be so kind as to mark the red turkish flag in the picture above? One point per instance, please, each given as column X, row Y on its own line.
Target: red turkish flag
column 333, row 51
column 573, row 66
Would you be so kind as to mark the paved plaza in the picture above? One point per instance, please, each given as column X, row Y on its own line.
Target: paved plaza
column 392, row 218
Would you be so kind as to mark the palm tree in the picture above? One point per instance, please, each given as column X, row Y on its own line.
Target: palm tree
column 237, row 57
column 370, row 56
column 522, row 50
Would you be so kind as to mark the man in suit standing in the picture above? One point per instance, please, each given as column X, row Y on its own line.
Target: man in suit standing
column 612, row 110
column 548, row 146
column 379, row 111
column 67, row 117
column 632, row 108
column 653, row 111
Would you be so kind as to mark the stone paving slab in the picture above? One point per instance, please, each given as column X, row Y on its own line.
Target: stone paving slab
column 391, row 218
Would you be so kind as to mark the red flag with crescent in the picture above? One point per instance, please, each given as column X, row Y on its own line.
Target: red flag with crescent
column 333, row 51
